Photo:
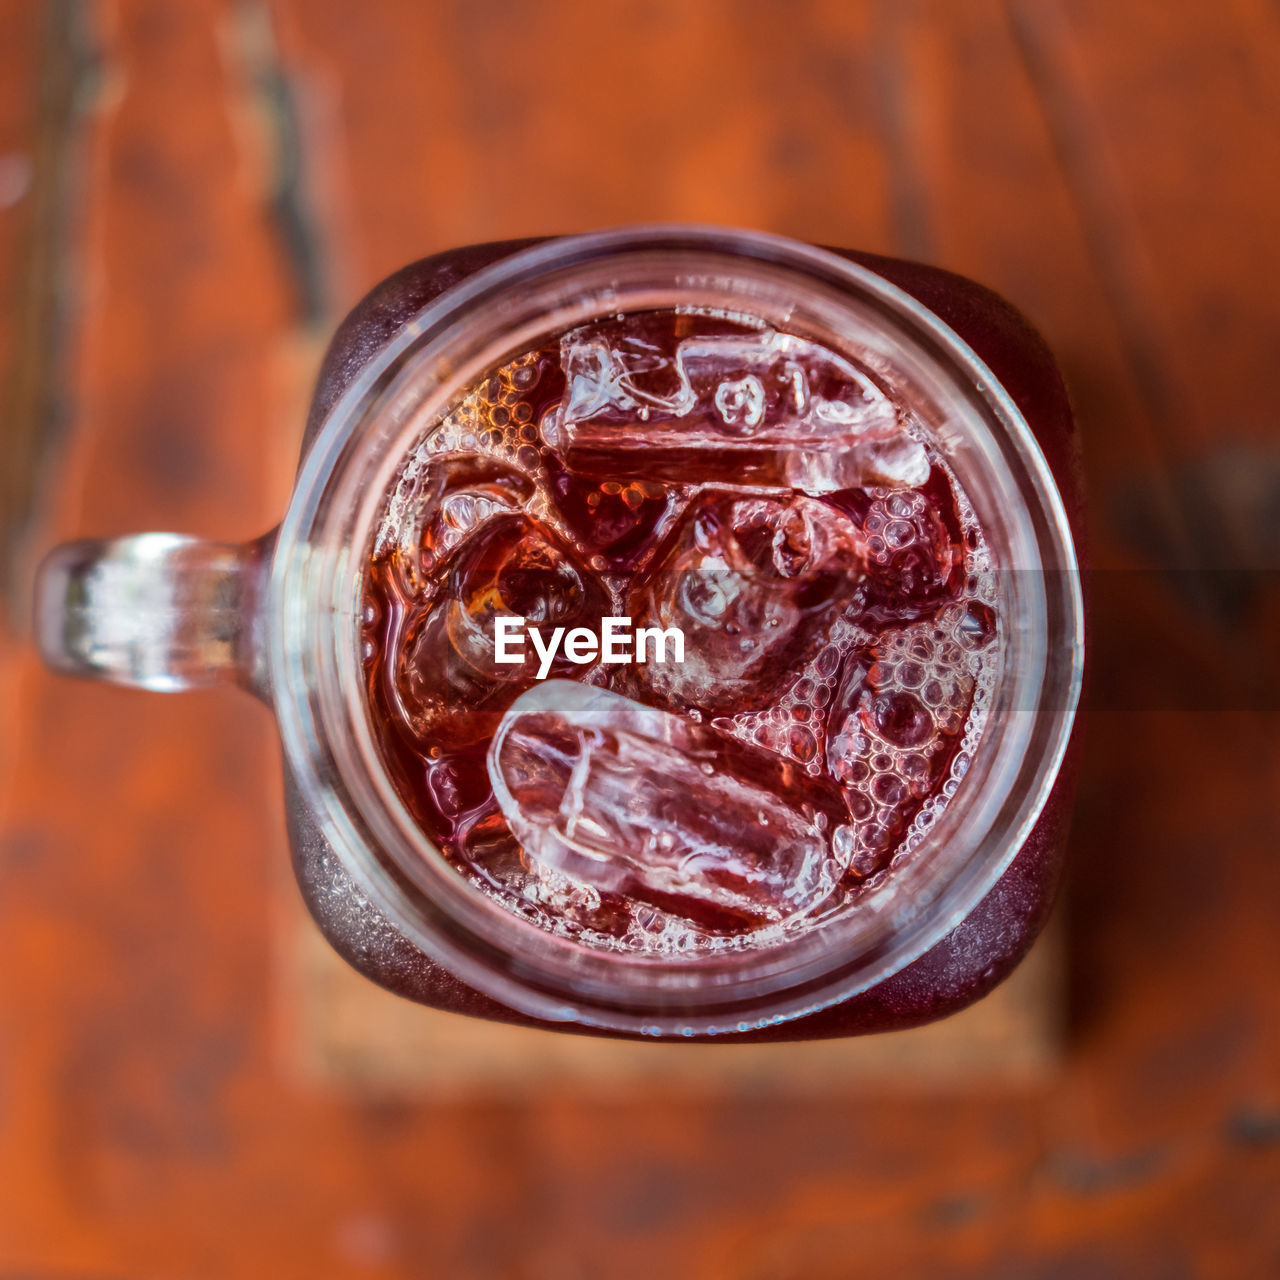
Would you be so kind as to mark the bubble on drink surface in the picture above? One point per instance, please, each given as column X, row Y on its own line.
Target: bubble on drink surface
column 753, row 583
column 912, row 547
column 638, row 802
column 900, row 708
column 976, row 625
column 759, row 407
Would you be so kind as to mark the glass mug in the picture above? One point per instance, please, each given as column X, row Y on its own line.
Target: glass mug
column 280, row 617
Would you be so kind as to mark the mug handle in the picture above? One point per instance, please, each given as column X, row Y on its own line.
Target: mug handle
column 160, row 611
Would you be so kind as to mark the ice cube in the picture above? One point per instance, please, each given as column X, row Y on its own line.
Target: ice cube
column 914, row 559
column 631, row 800
column 619, row 520
column 464, row 491
column 439, row 501
column 749, row 407
column 753, row 583
column 450, row 687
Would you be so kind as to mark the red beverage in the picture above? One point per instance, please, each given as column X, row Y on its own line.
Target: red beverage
column 762, row 497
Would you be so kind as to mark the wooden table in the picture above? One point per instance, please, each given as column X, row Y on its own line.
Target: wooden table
column 192, row 193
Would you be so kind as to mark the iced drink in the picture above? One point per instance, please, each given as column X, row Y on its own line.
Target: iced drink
column 678, row 633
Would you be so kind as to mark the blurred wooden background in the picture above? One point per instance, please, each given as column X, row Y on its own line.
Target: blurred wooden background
column 192, row 193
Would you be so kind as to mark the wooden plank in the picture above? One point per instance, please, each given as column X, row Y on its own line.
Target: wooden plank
column 1183, row 121
column 136, row 830
column 1056, row 127
column 352, row 1038
column 45, row 79
column 20, row 138
column 489, row 121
